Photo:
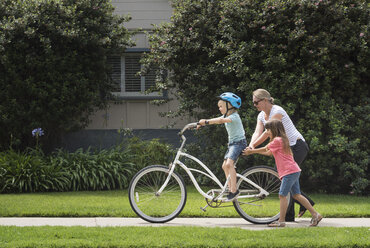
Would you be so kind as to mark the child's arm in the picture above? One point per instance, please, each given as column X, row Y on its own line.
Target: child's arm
column 219, row 120
column 263, row 151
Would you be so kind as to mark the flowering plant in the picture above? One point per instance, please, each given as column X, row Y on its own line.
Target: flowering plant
column 37, row 132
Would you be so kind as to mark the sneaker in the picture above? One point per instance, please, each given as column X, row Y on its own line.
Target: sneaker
column 231, row 196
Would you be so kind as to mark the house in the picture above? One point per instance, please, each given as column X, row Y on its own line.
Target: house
column 133, row 109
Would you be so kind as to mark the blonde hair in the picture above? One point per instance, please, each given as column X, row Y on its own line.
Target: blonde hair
column 263, row 94
column 277, row 130
column 231, row 109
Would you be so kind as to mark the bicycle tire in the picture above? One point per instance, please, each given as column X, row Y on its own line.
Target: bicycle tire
column 145, row 201
column 260, row 210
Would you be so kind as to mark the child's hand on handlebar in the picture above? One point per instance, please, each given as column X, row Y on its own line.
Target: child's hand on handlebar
column 201, row 123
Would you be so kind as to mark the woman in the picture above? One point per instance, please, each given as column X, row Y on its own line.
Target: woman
column 264, row 103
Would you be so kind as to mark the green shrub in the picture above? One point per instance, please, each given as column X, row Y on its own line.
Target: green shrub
column 96, row 170
column 33, row 171
column 30, row 172
column 149, row 152
column 312, row 56
column 55, row 53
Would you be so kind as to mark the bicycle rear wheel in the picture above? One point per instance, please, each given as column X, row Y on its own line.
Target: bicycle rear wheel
column 144, row 197
column 262, row 210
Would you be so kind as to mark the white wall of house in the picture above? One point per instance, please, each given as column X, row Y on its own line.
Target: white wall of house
column 144, row 13
column 134, row 110
column 136, row 114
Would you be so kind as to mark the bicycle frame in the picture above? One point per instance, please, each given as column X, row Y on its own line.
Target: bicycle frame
column 208, row 172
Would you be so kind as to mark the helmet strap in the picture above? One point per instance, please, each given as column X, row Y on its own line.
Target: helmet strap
column 227, row 108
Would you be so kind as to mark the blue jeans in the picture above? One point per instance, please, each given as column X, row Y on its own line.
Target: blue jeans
column 235, row 149
column 290, row 183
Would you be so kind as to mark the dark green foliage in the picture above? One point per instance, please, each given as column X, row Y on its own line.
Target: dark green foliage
column 53, row 70
column 30, row 172
column 33, row 171
column 312, row 56
column 145, row 153
column 98, row 170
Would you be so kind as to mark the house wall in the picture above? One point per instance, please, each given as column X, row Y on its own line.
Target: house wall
column 138, row 114
column 144, row 13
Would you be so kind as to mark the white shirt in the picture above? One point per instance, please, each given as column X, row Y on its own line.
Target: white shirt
column 290, row 130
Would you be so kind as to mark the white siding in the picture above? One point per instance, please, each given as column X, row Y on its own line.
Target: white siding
column 144, row 13
column 136, row 114
column 139, row 114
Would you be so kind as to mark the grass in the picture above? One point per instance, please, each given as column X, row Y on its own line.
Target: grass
column 181, row 237
column 116, row 204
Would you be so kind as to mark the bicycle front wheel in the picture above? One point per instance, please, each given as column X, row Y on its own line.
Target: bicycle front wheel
column 259, row 210
column 148, row 203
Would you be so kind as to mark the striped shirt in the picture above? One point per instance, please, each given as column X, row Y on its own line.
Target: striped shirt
column 290, row 130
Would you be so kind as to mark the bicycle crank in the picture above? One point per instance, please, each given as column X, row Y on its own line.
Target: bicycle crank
column 215, row 202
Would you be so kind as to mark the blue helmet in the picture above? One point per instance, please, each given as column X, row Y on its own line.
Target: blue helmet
column 233, row 99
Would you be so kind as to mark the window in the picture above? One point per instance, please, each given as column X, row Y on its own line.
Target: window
column 125, row 70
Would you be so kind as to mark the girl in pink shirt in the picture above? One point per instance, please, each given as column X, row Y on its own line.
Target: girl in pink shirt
column 288, row 171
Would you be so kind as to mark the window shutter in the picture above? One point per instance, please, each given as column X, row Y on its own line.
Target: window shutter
column 150, row 78
column 115, row 63
column 132, row 67
column 125, row 75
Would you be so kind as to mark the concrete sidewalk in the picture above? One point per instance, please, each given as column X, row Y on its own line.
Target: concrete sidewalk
column 203, row 222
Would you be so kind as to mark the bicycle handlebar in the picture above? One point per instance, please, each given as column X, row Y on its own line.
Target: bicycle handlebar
column 188, row 126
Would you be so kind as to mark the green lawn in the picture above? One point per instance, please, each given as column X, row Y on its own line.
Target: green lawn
column 181, row 237
column 116, row 204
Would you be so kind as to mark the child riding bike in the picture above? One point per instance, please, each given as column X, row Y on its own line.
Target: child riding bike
column 228, row 105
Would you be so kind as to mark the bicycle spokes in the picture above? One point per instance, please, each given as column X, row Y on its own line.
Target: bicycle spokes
column 151, row 204
column 267, row 205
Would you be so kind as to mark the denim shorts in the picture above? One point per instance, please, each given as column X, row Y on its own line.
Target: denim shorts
column 290, row 183
column 235, row 149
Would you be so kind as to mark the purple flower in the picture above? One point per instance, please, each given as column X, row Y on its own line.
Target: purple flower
column 37, row 132
column 362, row 34
column 263, row 27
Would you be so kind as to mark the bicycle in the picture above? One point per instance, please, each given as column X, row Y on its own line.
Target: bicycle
column 158, row 193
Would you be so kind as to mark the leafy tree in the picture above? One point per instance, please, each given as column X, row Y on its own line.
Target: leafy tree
column 312, row 56
column 53, row 65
